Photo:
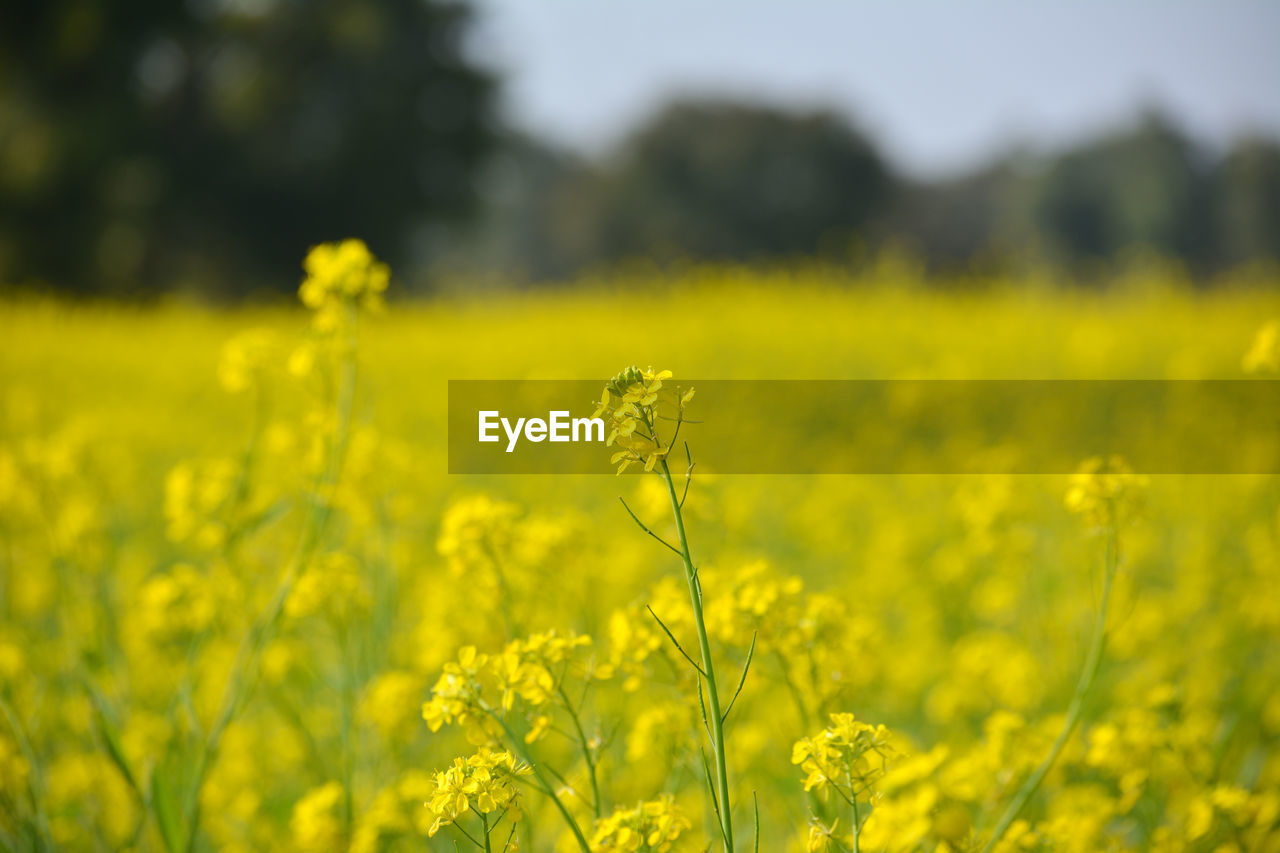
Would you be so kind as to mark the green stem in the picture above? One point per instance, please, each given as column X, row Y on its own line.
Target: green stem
column 313, row 526
column 856, row 819
column 43, row 839
column 484, row 825
column 1093, row 662
column 543, row 784
column 713, row 697
column 801, row 709
column 586, row 750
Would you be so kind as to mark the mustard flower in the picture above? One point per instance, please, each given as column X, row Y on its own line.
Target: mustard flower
column 175, row 605
column 475, row 531
column 1263, row 355
column 649, row 826
column 823, row 837
column 1106, row 492
column 244, row 359
column 476, row 686
column 338, row 275
column 382, row 820
column 333, row 585
column 389, row 701
column 848, row 756
column 902, row 823
column 456, row 696
column 630, row 404
column 484, row 782
column 315, row 824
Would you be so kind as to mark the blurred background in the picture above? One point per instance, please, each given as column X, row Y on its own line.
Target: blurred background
column 199, row 147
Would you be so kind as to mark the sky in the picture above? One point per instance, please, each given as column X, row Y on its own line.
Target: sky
column 942, row 85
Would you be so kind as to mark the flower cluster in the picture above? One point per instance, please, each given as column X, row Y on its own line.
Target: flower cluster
column 648, row 826
column 631, row 404
column 1106, row 491
column 1263, row 355
column 338, row 275
column 315, row 823
column 245, row 358
column 810, row 635
column 175, row 605
column 848, row 757
column 478, row 688
column 476, row 533
column 484, row 782
column 332, row 585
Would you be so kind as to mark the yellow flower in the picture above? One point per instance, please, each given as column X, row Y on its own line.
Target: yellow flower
column 338, row 275
column 477, row 686
column 485, row 782
column 1106, row 492
column 175, row 605
column 244, row 358
column 389, row 701
column 333, row 585
column 900, row 824
column 650, row 826
column 848, row 755
column 1264, row 353
column 315, row 823
column 630, row 403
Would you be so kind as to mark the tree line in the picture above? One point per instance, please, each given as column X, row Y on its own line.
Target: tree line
column 724, row 180
column 150, row 147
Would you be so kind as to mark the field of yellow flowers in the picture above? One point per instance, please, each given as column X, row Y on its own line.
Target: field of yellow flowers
column 243, row 607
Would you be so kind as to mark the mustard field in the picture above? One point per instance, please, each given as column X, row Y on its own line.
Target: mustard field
column 244, row 607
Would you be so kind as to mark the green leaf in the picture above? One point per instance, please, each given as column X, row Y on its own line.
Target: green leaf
column 162, row 801
column 110, row 734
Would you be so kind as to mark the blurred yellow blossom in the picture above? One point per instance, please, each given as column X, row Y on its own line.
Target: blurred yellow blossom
column 654, row 825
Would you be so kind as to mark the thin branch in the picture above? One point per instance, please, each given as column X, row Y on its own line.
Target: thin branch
column 586, row 750
column 715, row 800
column 751, row 652
column 688, row 473
column 679, row 647
column 756, row 802
column 702, row 706
column 673, row 548
column 468, row 836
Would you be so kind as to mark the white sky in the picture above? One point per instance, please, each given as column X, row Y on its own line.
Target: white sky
column 939, row 84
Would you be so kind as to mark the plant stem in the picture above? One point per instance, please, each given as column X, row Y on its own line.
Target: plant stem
column 239, row 681
column 586, row 750
column 713, row 697
column 1093, row 662
column 543, row 784
column 856, row 819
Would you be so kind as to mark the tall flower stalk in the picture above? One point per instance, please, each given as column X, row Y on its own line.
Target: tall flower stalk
column 1106, row 493
column 631, row 402
column 341, row 279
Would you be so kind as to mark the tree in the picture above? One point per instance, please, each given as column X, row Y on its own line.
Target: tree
column 1249, row 201
column 151, row 144
column 722, row 180
column 1147, row 187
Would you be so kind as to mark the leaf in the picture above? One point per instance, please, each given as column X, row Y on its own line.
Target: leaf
column 110, row 735
column 162, row 801
column 751, row 653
